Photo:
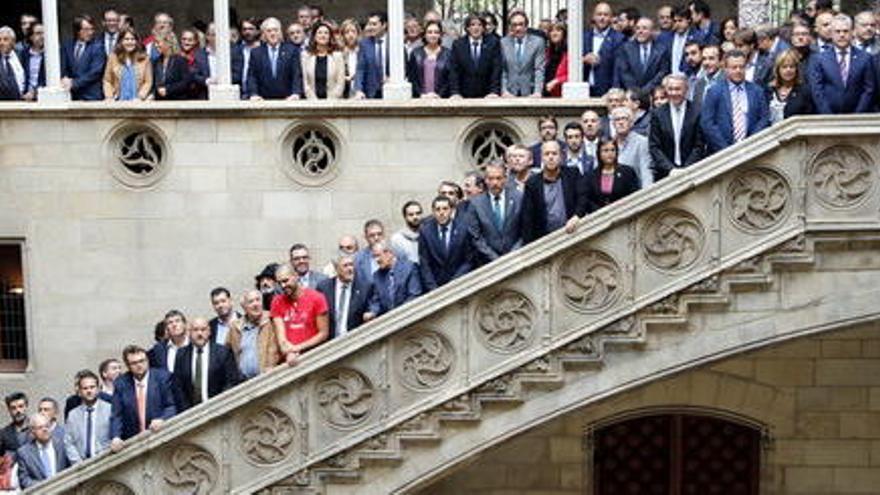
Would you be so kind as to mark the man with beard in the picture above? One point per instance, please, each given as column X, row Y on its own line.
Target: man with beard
column 241, row 52
column 299, row 316
column 15, row 433
column 221, row 301
column 406, row 240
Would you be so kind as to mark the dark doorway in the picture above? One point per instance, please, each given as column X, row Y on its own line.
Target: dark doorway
column 676, row 454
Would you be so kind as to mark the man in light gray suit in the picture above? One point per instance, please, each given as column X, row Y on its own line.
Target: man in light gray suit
column 43, row 456
column 523, row 59
column 494, row 223
column 88, row 425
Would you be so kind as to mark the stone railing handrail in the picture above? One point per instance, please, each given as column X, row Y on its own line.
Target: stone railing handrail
column 459, row 292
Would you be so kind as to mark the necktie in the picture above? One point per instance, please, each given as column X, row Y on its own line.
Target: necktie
column 47, row 463
column 380, row 59
column 111, row 43
column 273, row 56
column 391, row 287
column 676, row 130
column 444, row 238
column 142, row 406
column 341, row 310
column 519, row 51
column 844, row 66
column 197, row 377
column 496, row 208
column 475, row 52
column 739, row 114
column 77, row 52
column 644, row 56
column 89, row 431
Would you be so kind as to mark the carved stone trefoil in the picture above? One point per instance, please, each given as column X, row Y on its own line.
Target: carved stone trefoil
column 673, row 239
column 842, row 176
column 345, row 398
column 267, row 437
column 590, row 281
column 426, row 360
column 190, row 469
column 758, row 199
column 506, row 321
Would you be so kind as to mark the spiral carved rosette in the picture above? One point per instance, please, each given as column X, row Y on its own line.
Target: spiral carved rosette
column 506, row 320
column 842, row 176
column 673, row 239
column 590, row 281
column 267, row 437
column 426, row 360
column 190, row 469
column 345, row 398
column 758, row 199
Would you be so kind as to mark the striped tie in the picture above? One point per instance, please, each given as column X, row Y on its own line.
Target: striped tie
column 844, row 66
column 739, row 114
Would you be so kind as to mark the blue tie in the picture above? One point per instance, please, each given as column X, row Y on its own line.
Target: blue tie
column 273, row 55
column 391, row 286
column 89, row 431
column 47, row 464
column 496, row 208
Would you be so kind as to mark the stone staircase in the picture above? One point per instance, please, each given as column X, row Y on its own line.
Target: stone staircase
column 568, row 319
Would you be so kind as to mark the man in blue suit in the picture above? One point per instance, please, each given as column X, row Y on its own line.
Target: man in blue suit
column 43, row 456
column 733, row 109
column 82, row 62
column 708, row 31
column 372, row 64
column 641, row 63
column 842, row 78
column 397, row 280
column 143, row 398
column 444, row 246
column 678, row 38
column 274, row 71
column 600, row 46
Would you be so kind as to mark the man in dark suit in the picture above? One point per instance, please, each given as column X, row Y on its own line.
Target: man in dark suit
column 43, row 456
column 33, row 61
column 494, row 224
column 842, row 78
column 12, row 75
column 221, row 301
column 733, row 109
column 373, row 62
column 82, row 62
column 600, row 47
column 274, row 72
column 143, row 398
column 677, row 39
column 553, row 199
column 575, row 154
column 348, row 297
column 240, row 56
column 476, row 62
column 204, row 368
column 14, row 435
column 769, row 46
column 642, row 63
column 300, row 260
column 675, row 140
column 395, row 282
column 444, row 246
column 164, row 353
column 709, row 31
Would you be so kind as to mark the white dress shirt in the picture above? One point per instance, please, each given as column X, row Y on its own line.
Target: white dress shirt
column 49, row 450
column 206, row 359
column 342, row 304
column 677, row 114
column 172, row 353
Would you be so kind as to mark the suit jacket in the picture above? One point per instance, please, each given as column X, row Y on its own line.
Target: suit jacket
column 534, row 206
column 626, row 182
column 407, row 285
column 415, row 71
column 335, row 75
column 668, row 38
column 25, row 57
column 30, row 466
column 830, row 94
column 200, row 72
column 765, row 62
column 158, row 356
column 537, row 160
column 630, row 74
column 662, row 139
column 701, row 87
column 489, row 241
column 716, row 115
column 360, row 300
column 799, row 101
column 522, row 76
column 370, row 76
column 223, row 373
column 439, row 265
column 587, row 162
column 238, row 69
column 175, row 77
column 75, row 431
column 603, row 72
column 161, row 394
column 287, row 80
column 475, row 80
column 11, row 438
column 86, row 72
column 312, row 279
column 214, row 322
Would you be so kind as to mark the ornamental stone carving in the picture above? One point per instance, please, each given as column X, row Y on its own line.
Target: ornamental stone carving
column 506, row 321
column 589, row 281
column 137, row 155
column 758, row 199
column 345, row 398
column 673, row 239
column 109, row 488
column 425, row 360
column 487, row 142
column 267, row 437
column 311, row 154
column 842, row 176
column 190, row 469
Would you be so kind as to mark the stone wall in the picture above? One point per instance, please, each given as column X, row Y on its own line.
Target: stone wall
column 819, row 397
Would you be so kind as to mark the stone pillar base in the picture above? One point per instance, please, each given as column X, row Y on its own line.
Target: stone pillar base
column 576, row 90
column 52, row 95
column 224, row 92
column 397, row 91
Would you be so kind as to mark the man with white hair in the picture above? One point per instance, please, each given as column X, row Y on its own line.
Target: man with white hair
column 632, row 147
column 43, row 456
column 163, row 23
column 12, row 78
column 842, row 78
column 675, row 140
column 274, row 71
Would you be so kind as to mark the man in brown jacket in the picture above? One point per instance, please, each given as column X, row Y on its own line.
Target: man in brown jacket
column 252, row 338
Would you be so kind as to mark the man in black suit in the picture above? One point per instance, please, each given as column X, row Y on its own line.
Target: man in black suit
column 553, row 199
column 494, row 217
column 476, row 62
column 240, row 55
column 203, row 368
column 444, row 246
column 348, row 297
column 14, row 435
column 642, row 63
column 274, row 71
column 33, row 61
column 221, row 301
column 164, row 353
column 675, row 140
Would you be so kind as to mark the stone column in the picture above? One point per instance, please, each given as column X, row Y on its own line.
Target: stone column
column 396, row 88
column 575, row 88
column 52, row 92
column 753, row 12
column 222, row 89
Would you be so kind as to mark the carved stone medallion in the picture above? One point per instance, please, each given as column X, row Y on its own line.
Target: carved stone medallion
column 190, row 469
column 425, row 360
column 345, row 398
column 589, row 281
column 506, row 320
column 758, row 199
column 673, row 239
column 267, row 437
column 842, row 176
column 138, row 155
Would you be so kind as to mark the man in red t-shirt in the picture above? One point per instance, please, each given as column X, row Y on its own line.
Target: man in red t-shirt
column 299, row 315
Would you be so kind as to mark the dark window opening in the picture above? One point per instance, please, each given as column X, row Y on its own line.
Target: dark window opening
column 13, row 321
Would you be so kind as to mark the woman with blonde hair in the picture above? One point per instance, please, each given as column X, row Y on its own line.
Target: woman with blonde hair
column 128, row 74
column 786, row 93
column 350, row 31
column 323, row 67
column 171, row 74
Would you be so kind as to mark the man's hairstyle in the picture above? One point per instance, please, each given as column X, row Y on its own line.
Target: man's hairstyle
column 701, row 7
column 675, row 77
column 51, row 401
column 381, row 246
column 107, row 10
column 766, row 31
column 744, row 36
column 459, row 192
column 218, row 291
column 130, row 350
column 824, row 5
column 631, row 13
column 842, row 19
column 498, row 166
column 474, row 17
column 304, row 7
column 694, row 43
column 682, row 12
column 734, row 54
column 373, row 223
column 8, row 31
column 547, row 118
column 102, row 368
column 253, row 21
column 488, row 16
column 440, row 199
column 15, row 396
column 383, row 17
column 317, row 7
column 173, row 313
column 78, row 22
column 270, row 22
column 83, row 374
column 478, row 179
column 409, row 203
column 297, row 247
column 573, row 126
column 623, row 112
column 518, row 13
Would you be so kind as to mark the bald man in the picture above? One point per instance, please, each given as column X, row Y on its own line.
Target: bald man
column 204, row 368
column 600, row 49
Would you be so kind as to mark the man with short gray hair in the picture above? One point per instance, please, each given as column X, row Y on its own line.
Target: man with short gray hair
column 865, row 33
column 12, row 75
column 842, row 79
column 397, row 280
column 675, row 140
column 348, row 297
column 274, row 71
column 43, row 456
